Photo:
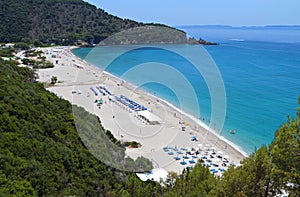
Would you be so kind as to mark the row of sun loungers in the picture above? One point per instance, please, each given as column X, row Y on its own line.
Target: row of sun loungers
column 93, row 90
column 130, row 103
column 102, row 90
column 122, row 99
column 105, row 90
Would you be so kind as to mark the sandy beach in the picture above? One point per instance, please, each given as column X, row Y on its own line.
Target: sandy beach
column 159, row 141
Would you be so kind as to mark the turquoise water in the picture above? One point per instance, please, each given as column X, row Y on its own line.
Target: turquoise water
column 262, row 79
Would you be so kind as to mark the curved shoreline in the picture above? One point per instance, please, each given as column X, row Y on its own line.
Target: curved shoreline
column 193, row 118
column 77, row 74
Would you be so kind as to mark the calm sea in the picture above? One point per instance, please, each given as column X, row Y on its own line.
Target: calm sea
column 260, row 68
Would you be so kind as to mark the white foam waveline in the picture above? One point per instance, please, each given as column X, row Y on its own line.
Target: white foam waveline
column 203, row 125
column 196, row 120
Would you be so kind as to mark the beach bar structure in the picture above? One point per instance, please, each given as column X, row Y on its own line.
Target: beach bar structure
column 149, row 117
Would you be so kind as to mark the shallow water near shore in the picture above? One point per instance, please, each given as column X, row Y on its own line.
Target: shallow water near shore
column 261, row 80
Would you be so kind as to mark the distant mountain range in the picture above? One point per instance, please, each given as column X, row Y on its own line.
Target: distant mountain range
column 241, row 27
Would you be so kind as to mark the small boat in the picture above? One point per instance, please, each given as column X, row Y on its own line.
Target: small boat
column 232, row 131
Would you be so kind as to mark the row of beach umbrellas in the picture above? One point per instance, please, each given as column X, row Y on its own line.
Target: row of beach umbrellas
column 214, row 167
column 132, row 102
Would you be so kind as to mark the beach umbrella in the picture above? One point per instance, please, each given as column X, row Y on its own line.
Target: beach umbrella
column 195, row 157
column 176, row 158
column 192, row 161
column 233, row 164
column 175, row 149
column 171, row 153
column 185, row 157
column 183, row 163
column 214, row 164
column 213, row 170
column 183, row 149
column 179, row 152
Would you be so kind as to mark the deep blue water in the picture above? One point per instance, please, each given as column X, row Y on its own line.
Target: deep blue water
column 261, row 76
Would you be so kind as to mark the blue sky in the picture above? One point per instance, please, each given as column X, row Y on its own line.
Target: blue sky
column 207, row 12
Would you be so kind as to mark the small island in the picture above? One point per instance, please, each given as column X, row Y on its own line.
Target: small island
column 201, row 41
column 204, row 42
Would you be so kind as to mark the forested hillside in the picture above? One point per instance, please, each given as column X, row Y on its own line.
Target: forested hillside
column 58, row 21
column 41, row 154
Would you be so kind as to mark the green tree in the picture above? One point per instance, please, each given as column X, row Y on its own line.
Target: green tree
column 268, row 170
column 37, row 43
column 285, row 150
column 53, row 80
column 197, row 181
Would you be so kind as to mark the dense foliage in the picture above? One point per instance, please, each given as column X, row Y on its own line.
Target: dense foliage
column 58, row 21
column 41, row 153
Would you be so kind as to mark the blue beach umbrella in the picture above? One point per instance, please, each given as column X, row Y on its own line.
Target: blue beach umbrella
column 185, row 157
column 176, row 158
column 214, row 164
column 204, row 157
column 183, row 163
column 192, row 161
column 171, row 153
column 207, row 165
